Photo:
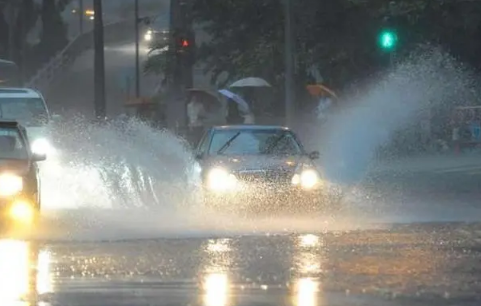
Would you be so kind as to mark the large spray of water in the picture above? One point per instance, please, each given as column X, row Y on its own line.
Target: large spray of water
column 368, row 119
column 115, row 165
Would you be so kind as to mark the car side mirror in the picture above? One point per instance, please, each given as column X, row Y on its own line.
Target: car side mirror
column 314, row 155
column 37, row 157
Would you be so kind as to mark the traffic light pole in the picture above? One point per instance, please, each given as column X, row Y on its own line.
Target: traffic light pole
column 392, row 59
column 289, row 62
column 180, row 68
column 11, row 15
column 81, row 16
column 388, row 41
column 99, row 62
column 137, row 59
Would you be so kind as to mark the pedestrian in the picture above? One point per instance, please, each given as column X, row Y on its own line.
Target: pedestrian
column 196, row 114
column 233, row 113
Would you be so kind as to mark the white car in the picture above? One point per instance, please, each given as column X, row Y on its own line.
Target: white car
column 28, row 107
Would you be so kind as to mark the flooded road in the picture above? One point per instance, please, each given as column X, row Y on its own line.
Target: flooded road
column 420, row 244
column 421, row 263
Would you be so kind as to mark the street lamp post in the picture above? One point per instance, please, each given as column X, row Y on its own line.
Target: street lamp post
column 289, row 62
column 137, row 59
column 81, row 16
column 12, row 15
column 99, row 62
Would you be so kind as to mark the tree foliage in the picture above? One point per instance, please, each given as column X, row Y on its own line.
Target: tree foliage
column 53, row 34
column 54, row 31
column 338, row 37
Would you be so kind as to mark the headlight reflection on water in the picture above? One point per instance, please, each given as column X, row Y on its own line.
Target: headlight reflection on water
column 215, row 283
column 216, row 289
column 306, row 292
column 308, row 266
column 18, row 259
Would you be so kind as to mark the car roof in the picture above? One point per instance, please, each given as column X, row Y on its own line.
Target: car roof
column 250, row 127
column 19, row 92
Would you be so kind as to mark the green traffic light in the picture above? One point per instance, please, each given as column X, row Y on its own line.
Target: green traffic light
column 388, row 40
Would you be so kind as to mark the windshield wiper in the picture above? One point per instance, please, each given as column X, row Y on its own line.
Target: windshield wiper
column 227, row 144
column 275, row 143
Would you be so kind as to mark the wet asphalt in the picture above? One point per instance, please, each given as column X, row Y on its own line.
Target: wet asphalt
column 424, row 251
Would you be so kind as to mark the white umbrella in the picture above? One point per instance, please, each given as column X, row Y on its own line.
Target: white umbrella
column 250, row 82
column 244, row 107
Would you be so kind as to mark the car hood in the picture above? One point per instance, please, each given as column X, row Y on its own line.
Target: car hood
column 19, row 167
column 238, row 163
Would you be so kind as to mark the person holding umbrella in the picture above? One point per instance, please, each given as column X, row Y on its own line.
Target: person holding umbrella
column 238, row 110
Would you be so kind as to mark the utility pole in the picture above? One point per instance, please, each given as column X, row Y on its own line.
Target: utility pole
column 12, row 16
column 81, row 16
column 178, row 80
column 289, row 62
column 23, row 45
column 99, row 62
column 137, row 64
column 187, row 44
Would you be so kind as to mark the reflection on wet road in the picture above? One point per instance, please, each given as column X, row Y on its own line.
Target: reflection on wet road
column 429, row 263
column 400, row 265
column 24, row 272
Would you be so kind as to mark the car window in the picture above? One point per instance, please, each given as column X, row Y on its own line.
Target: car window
column 203, row 144
column 28, row 111
column 12, row 145
column 255, row 142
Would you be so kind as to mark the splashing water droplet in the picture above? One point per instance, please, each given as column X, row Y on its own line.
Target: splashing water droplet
column 115, row 165
column 368, row 121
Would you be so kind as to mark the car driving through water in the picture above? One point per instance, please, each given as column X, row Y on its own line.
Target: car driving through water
column 260, row 167
column 19, row 175
column 158, row 30
column 28, row 107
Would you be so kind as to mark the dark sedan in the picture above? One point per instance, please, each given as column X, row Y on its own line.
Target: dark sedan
column 19, row 175
column 258, row 166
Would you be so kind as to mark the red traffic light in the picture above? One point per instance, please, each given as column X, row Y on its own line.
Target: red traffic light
column 185, row 43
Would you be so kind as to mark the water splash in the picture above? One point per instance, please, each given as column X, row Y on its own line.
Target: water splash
column 369, row 119
column 115, row 165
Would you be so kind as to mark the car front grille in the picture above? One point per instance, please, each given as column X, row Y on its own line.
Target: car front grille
column 265, row 176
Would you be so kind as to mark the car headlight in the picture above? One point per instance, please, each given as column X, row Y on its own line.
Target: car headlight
column 22, row 211
column 10, row 184
column 41, row 146
column 306, row 179
column 148, row 36
column 219, row 179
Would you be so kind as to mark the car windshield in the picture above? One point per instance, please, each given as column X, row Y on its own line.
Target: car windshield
column 11, row 144
column 28, row 111
column 254, row 142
